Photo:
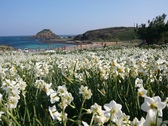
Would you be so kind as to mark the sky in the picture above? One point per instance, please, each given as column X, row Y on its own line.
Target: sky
column 72, row 17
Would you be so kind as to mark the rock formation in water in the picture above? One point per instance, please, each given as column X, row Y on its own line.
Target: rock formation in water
column 46, row 34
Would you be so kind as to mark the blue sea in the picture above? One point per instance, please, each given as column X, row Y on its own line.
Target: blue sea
column 22, row 42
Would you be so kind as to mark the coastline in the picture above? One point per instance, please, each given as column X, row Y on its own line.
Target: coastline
column 84, row 46
column 74, row 46
column 67, row 44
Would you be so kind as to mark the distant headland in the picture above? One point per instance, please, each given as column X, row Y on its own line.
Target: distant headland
column 108, row 34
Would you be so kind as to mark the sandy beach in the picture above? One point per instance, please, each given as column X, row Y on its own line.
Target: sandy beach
column 84, row 46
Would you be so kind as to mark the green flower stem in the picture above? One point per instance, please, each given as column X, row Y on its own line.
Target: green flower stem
column 13, row 118
column 63, row 113
column 156, row 119
column 131, row 86
column 34, row 107
column 10, row 115
column 80, row 113
column 92, row 119
column 63, row 117
column 26, row 111
column 35, row 115
column 111, row 123
column 38, row 121
column 138, row 102
column 5, row 120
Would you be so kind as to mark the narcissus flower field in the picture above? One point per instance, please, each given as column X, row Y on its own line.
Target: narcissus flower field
column 110, row 86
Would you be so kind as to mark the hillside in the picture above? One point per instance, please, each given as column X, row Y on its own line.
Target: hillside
column 109, row 34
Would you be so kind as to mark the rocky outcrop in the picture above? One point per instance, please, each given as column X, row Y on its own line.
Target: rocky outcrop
column 46, row 34
column 106, row 34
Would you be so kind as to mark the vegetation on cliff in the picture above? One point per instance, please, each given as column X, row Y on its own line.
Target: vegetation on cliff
column 109, row 34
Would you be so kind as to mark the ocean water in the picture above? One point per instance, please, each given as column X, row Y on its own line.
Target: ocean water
column 22, row 42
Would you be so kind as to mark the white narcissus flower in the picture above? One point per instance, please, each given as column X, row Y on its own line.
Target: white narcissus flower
column 141, row 121
column 54, row 97
column 119, row 122
column 126, row 118
column 138, row 82
column 134, row 71
column 151, row 121
column 85, row 123
column 22, row 84
column 151, row 78
column 48, row 89
column 62, row 90
column 120, row 68
column 8, row 85
column 41, row 69
column 136, row 122
column 153, row 106
column 96, row 108
column 142, row 92
column 39, row 84
column 100, row 119
column 112, row 110
column 54, row 113
column 68, row 98
column 86, row 93
column 98, row 113
column 114, row 62
column 166, row 101
column 142, row 72
column 12, row 102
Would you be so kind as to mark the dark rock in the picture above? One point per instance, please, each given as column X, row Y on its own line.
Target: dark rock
column 78, row 37
column 70, row 37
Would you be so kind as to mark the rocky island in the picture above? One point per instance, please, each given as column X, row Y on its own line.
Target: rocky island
column 46, row 34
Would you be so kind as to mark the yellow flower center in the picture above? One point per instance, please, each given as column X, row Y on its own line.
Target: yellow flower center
column 141, row 73
column 140, row 94
column 114, row 111
column 152, row 124
column 14, row 68
column 120, row 70
column 155, row 72
column 153, row 106
column 45, row 89
column 113, row 64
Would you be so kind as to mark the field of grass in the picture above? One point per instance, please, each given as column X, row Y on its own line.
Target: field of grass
column 114, row 86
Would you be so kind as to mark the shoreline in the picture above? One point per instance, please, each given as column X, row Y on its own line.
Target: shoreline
column 84, row 46
column 74, row 46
